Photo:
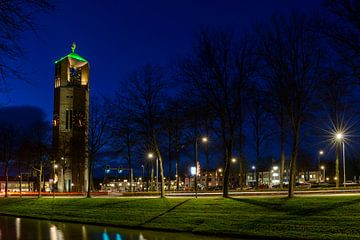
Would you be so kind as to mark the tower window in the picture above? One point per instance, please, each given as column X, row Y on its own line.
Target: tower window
column 68, row 116
column 75, row 75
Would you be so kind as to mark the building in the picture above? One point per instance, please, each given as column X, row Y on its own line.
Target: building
column 70, row 122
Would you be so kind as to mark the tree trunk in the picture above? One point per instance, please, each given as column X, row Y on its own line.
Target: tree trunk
column 152, row 175
column 226, row 174
column 39, row 178
column 90, row 174
column 6, row 177
column 207, row 166
column 292, row 180
column 169, row 160
column 161, row 170
column 129, row 158
column 282, row 146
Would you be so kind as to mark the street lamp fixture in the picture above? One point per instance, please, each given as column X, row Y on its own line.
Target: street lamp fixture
column 253, row 167
column 233, row 160
column 204, row 139
column 321, row 152
column 150, row 155
column 339, row 136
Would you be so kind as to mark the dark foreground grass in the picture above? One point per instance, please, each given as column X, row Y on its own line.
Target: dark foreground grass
column 298, row 218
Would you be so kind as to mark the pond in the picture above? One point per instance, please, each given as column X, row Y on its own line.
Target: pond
column 25, row 228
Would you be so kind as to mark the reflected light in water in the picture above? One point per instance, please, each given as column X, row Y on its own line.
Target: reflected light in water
column 141, row 237
column 105, row 235
column 118, row 236
column 17, row 227
column 56, row 234
column 83, row 230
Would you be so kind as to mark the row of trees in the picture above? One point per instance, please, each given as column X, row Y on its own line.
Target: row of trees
column 278, row 80
column 274, row 82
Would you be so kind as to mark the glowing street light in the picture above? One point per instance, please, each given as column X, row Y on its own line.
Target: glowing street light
column 339, row 136
column 321, row 152
column 204, row 139
column 233, row 160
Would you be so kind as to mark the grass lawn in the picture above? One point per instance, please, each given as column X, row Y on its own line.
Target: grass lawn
column 335, row 217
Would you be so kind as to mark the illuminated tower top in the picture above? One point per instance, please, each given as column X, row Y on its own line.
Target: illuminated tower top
column 71, row 70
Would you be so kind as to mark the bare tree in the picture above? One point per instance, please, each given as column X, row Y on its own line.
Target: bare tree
column 146, row 103
column 217, row 72
column 17, row 16
column 343, row 28
column 7, row 150
column 292, row 56
column 259, row 120
column 99, row 135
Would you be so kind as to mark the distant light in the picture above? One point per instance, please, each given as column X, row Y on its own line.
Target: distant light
column 253, row 167
column 275, row 168
column 56, row 166
column 204, row 139
column 220, row 170
column 321, row 152
column 233, row 160
column 150, row 155
column 322, row 167
column 335, row 178
column 193, row 171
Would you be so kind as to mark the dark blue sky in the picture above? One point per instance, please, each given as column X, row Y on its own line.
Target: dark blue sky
column 116, row 37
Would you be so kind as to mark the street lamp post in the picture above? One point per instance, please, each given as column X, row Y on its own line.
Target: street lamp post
column 53, row 185
column 340, row 138
column 324, row 176
column 343, row 158
column 151, row 156
column 196, row 160
column 142, row 177
column 254, row 173
column 217, row 178
column 321, row 152
column 205, row 141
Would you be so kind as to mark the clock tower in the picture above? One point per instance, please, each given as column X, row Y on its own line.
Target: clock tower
column 70, row 123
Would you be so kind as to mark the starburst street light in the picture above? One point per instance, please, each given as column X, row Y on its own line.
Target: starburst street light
column 339, row 136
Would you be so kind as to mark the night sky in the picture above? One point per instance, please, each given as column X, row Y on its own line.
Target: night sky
column 117, row 37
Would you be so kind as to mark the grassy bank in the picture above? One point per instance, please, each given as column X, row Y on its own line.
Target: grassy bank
column 302, row 217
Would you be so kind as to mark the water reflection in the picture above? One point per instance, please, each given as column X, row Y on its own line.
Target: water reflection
column 25, row 228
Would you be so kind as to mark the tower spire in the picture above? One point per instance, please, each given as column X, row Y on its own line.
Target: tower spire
column 73, row 47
